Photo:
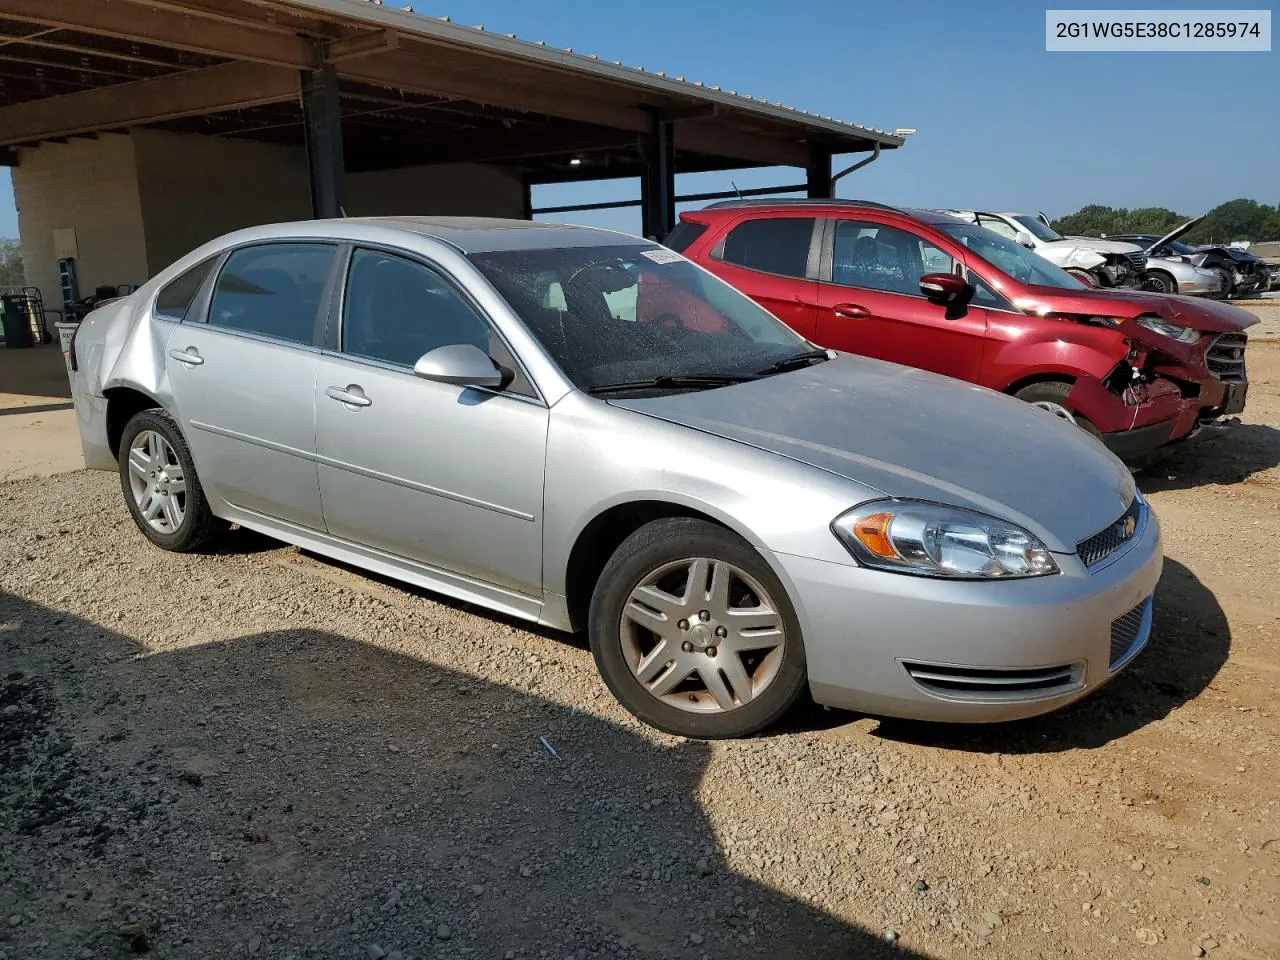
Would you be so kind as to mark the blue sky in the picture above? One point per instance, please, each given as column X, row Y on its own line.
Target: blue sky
column 1001, row 122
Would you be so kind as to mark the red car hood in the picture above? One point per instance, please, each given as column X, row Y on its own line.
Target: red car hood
column 1208, row 315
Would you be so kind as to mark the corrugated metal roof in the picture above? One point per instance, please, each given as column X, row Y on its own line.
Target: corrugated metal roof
column 442, row 28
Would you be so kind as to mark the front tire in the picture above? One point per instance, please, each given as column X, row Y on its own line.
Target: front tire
column 1084, row 276
column 160, row 485
column 694, row 633
column 1161, row 282
column 1051, row 396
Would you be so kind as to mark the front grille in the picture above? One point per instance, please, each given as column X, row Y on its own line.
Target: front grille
column 1129, row 634
column 991, row 683
column 1225, row 357
column 1093, row 550
column 1138, row 258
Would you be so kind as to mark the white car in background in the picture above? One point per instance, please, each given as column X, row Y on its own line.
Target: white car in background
column 1099, row 263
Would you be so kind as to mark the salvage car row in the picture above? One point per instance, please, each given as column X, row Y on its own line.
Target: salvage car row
column 593, row 432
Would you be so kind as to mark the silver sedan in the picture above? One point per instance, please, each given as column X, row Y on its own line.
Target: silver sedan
column 586, row 430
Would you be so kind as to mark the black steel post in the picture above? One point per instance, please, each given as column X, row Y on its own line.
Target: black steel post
column 658, row 181
column 818, row 173
column 322, row 122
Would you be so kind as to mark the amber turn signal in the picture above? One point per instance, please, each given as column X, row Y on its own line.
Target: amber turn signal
column 872, row 532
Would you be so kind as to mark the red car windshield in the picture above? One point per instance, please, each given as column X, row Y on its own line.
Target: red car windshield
column 1011, row 259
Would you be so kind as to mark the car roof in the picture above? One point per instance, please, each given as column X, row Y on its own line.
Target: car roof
column 779, row 205
column 466, row 234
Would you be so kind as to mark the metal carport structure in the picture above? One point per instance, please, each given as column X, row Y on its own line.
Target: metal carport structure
column 368, row 87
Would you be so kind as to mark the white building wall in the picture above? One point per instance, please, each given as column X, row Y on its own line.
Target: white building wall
column 90, row 186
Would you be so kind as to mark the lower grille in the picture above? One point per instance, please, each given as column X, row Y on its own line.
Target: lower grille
column 1225, row 357
column 1111, row 538
column 1129, row 633
column 984, row 683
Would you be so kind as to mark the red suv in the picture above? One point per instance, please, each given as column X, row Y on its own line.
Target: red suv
column 928, row 290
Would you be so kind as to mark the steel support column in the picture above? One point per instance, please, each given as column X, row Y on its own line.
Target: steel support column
column 818, row 173
column 322, row 122
column 658, row 181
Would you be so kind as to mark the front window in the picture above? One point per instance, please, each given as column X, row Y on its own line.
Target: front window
column 627, row 314
column 1037, row 229
column 1010, row 258
column 885, row 258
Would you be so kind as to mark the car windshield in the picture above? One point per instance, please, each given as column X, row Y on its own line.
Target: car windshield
column 620, row 317
column 1177, row 246
column 1037, row 228
column 1011, row 258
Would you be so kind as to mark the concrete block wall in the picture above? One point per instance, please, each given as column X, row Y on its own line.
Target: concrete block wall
column 91, row 186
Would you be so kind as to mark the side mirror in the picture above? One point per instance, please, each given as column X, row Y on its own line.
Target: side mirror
column 1025, row 239
column 945, row 288
column 462, row 364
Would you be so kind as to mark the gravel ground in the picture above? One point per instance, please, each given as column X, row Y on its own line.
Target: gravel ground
column 259, row 753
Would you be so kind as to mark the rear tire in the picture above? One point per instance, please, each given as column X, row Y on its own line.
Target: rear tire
column 161, row 489
column 1228, row 285
column 1051, row 396
column 646, row 632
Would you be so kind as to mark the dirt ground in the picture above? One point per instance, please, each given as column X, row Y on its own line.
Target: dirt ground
column 258, row 753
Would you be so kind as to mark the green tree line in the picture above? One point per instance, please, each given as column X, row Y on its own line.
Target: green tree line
column 10, row 264
column 1233, row 220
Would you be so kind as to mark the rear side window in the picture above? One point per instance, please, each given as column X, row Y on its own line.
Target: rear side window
column 273, row 290
column 779, row 245
column 175, row 298
column 681, row 238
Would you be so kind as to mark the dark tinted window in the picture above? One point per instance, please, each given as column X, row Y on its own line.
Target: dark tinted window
column 396, row 310
column 878, row 257
column 777, row 245
column 174, row 299
column 682, row 237
column 273, row 289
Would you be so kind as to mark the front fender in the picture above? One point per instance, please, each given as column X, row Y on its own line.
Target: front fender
column 1076, row 350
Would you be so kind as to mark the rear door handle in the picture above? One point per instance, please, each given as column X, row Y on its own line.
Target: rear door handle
column 850, row 311
column 352, row 395
column 190, row 356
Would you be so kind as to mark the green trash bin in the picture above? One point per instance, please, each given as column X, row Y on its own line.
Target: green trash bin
column 15, row 320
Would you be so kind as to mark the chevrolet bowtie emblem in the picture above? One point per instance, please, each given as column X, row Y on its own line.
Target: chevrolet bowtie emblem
column 1129, row 525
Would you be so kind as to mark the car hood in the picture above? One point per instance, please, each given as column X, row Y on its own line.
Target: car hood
column 1208, row 315
column 912, row 434
column 1177, row 232
column 1089, row 243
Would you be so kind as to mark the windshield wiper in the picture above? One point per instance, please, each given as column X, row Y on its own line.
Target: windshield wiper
column 692, row 380
column 791, row 363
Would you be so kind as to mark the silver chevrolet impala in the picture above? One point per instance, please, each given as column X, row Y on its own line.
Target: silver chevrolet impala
column 586, row 430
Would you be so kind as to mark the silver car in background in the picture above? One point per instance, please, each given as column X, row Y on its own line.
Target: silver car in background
column 586, row 430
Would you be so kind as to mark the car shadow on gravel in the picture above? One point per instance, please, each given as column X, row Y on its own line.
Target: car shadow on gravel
column 300, row 793
column 1190, row 640
column 1246, row 450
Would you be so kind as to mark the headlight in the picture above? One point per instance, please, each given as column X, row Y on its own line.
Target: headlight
column 934, row 540
column 1170, row 330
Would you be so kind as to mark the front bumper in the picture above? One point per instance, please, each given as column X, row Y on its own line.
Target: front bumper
column 874, row 640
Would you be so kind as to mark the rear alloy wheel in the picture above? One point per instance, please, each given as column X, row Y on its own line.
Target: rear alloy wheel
column 160, row 485
column 693, row 632
column 1051, row 396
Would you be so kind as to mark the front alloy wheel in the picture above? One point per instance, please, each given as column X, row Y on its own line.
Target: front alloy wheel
column 693, row 632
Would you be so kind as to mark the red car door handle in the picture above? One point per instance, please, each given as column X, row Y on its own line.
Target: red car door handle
column 850, row 311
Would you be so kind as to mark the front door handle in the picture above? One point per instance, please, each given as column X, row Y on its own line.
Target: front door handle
column 850, row 311
column 190, row 356
column 352, row 395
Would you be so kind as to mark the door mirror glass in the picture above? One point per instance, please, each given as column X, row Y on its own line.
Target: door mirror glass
column 462, row 364
column 945, row 288
column 1026, row 239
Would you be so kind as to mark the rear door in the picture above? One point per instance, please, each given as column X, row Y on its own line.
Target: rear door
column 869, row 301
column 242, row 371
column 774, row 260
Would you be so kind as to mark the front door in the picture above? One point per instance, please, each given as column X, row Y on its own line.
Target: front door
column 243, row 380
column 870, row 302
column 444, row 475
